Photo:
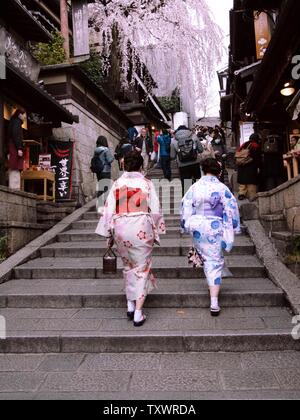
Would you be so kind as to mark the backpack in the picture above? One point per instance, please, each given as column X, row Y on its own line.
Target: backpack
column 97, row 164
column 187, row 151
column 243, row 157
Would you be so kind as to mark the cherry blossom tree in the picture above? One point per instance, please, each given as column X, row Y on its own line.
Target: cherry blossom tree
column 176, row 39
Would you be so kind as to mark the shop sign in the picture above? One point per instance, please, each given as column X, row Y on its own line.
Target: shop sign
column 18, row 56
column 262, row 33
column 246, row 129
column 81, row 39
column 45, row 162
column 62, row 161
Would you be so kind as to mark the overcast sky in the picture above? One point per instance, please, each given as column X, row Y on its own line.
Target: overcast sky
column 220, row 10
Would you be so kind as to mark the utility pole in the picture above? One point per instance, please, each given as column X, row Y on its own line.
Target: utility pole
column 64, row 23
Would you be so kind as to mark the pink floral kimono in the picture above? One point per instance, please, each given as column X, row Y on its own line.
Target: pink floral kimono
column 132, row 215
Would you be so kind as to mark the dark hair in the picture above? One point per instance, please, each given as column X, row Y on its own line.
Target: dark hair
column 17, row 112
column 133, row 161
column 125, row 140
column 165, row 132
column 102, row 141
column 255, row 137
column 211, row 166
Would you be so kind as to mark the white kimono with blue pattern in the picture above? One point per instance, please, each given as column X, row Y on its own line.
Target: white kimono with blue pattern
column 210, row 214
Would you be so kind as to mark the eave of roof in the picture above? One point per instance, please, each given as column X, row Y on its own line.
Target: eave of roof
column 38, row 99
column 77, row 71
column 23, row 22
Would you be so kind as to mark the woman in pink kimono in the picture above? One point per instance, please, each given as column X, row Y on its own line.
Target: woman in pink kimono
column 132, row 219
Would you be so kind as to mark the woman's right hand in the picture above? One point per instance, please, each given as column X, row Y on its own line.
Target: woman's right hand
column 20, row 153
column 110, row 242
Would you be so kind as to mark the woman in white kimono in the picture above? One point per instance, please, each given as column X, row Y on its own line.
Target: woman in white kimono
column 210, row 214
column 133, row 221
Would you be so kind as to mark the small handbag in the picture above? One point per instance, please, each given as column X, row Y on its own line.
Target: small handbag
column 110, row 262
column 195, row 258
column 272, row 145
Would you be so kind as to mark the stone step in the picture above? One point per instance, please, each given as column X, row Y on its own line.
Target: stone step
column 168, row 267
column 180, row 247
column 158, row 175
column 166, row 330
column 88, row 235
column 84, row 235
column 92, row 224
column 95, row 216
column 284, row 235
column 171, row 293
column 274, row 222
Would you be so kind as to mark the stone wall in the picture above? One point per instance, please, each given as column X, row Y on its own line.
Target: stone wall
column 49, row 214
column 17, row 206
column 285, row 200
column 85, row 134
column 18, row 218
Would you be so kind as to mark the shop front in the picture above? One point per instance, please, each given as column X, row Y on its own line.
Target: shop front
column 46, row 167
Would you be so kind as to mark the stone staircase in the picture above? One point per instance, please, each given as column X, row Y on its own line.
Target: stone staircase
column 62, row 303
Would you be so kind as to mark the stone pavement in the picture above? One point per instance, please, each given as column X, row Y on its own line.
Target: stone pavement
column 151, row 376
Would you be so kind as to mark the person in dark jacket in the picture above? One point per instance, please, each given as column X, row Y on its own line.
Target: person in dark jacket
column 106, row 156
column 189, row 169
column 103, row 153
column 272, row 171
column 16, row 150
column 164, row 142
column 144, row 145
column 220, row 150
column 124, row 147
column 248, row 175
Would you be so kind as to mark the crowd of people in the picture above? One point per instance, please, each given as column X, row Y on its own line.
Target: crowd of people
column 187, row 147
column 263, row 169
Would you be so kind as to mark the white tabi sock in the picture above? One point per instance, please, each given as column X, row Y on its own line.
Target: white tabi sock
column 138, row 316
column 214, row 303
column 131, row 305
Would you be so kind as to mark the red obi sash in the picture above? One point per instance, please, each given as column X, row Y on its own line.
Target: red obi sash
column 131, row 200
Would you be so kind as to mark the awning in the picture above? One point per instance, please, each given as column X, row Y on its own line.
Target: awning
column 34, row 98
column 19, row 17
column 283, row 45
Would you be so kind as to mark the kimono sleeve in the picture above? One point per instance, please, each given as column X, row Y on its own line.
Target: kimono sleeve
column 187, row 210
column 156, row 211
column 231, row 219
column 104, row 227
